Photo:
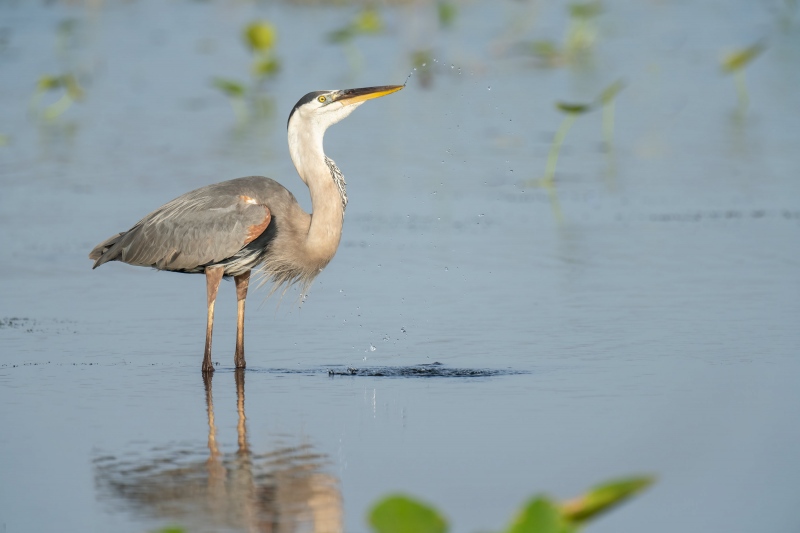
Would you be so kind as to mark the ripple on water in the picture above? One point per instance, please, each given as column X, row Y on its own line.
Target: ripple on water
column 430, row 370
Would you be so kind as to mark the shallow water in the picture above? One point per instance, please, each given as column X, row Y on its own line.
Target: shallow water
column 644, row 322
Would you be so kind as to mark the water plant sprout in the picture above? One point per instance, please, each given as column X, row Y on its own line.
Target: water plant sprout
column 70, row 93
column 572, row 111
column 260, row 37
column 735, row 63
column 608, row 100
column 580, row 36
column 367, row 22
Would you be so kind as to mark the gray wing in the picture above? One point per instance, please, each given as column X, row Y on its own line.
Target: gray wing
column 201, row 227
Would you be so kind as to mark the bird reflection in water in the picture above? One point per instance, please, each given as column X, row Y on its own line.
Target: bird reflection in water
column 209, row 490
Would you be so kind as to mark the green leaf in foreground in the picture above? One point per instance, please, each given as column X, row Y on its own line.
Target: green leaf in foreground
column 603, row 497
column 171, row 529
column 540, row 515
column 739, row 59
column 401, row 514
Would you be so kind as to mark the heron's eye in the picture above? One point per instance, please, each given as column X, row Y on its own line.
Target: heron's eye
column 321, row 99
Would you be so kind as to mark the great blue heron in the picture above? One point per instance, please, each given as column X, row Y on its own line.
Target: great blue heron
column 231, row 227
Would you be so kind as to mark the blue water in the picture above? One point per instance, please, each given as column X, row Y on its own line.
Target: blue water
column 645, row 321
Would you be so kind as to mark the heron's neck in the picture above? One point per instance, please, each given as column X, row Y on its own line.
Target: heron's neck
column 327, row 198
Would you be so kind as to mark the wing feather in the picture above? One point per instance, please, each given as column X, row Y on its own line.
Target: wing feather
column 199, row 228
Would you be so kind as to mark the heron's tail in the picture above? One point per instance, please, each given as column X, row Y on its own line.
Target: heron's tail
column 99, row 254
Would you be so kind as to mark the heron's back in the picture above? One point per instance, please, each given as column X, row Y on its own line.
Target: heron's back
column 231, row 223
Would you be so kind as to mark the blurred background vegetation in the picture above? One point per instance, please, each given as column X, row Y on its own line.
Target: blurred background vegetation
column 546, row 82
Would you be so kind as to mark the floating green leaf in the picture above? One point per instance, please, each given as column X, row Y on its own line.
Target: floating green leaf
column 540, row 515
column 341, row 35
column 574, row 109
column 585, row 10
column 545, row 48
column 447, row 13
column 603, row 497
column 421, row 58
column 368, row 21
column 67, row 81
column 401, row 514
column 260, row 36
column 231, row 88
column 73, row 89
column 47, row 83
column 266, row 67
column 740, row 58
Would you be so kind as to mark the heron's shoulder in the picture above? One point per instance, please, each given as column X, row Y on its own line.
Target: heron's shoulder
column 258, row 187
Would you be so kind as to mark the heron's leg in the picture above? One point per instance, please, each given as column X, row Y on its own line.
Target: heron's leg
column 242, row 281
column 213, row 277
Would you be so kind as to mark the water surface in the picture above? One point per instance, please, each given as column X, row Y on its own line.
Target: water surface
column 501, row 344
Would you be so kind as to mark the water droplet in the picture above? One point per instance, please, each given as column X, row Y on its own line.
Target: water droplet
column 446, row 269
column 403, row 330
column 372, row 348
column 489, row 88
column 452, row 66
column 424, row 64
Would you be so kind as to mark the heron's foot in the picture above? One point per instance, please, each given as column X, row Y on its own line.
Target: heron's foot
column 208, row 366
column 238, row 360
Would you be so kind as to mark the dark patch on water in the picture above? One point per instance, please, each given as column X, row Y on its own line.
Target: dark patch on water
column 728, row 214
column 31, row 325
column 429, row 370
column 14, row 322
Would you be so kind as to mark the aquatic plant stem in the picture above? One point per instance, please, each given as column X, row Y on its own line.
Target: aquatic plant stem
column 741, row 88
column 608, row 124
column 555, row 204
column 57, row 108
column 239, row 109
column 558, row 140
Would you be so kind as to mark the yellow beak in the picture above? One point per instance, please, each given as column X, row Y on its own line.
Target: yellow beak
column 354, row 96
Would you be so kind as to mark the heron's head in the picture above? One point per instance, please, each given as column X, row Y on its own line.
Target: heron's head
column 320, row 109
